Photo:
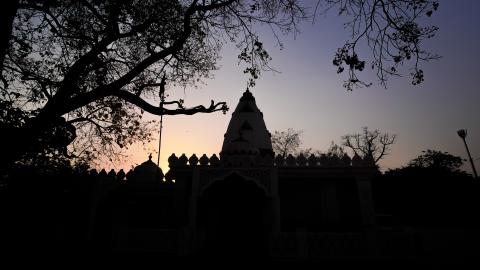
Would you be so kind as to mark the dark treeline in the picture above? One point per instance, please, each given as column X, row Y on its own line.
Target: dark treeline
column 425, row 197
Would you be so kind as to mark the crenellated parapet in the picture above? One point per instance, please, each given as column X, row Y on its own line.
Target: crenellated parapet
column 263, row 161
column 193, row 160
column 226, row 160
column 111, row 176
column 322, row 160
column 137, row 176
column 267, row 161
column 248, row 160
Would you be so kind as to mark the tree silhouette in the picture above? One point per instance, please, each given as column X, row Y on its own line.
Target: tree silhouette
column 286, row 142
column 93, row 66
column 431, row 164
column 391, row 30
column 372, row 145
column 335, row 150
column 437, row 160
column 430, row 190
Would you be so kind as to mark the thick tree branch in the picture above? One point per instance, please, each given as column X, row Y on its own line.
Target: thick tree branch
column 212, row 6
column 94, row 12
column 144, row 105
column 115, row 86
column 6, row 20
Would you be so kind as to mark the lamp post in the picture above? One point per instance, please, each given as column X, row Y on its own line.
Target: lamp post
column 462, row 133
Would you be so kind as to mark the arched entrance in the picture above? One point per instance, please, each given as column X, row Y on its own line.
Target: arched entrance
column 233, row 219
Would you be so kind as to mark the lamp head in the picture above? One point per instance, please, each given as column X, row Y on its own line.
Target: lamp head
column 462, row 133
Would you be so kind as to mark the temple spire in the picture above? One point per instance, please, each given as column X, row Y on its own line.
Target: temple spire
column 247, row 120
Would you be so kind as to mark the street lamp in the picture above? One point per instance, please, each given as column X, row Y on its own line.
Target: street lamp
column 462, row 133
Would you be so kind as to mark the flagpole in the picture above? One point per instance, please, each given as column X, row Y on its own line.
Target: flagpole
column 160, row 140
column 161, row 94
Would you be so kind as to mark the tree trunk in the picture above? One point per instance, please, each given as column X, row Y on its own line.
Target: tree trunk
column 33, row 137
column 7, row 15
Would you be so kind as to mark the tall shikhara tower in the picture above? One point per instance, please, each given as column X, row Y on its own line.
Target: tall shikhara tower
column 247, row 138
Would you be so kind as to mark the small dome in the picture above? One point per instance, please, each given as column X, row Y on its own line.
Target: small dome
column 148, row 172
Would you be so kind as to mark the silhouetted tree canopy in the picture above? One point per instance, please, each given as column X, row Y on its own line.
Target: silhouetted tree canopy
column 50, row 155
column 286, row 142
column 98, row 64
column 433, row 159
column 91, row 68
column 432, row 162
column 335, row 150
column 393, row 32
column 431, row 190
column 371, row 145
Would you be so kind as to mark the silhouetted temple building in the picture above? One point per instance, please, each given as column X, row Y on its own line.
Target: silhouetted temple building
column 244, row 203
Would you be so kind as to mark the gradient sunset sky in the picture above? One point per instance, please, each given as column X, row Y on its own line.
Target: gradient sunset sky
column 308, row 95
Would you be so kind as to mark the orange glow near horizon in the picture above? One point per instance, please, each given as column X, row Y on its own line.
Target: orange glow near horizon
column 181, row 135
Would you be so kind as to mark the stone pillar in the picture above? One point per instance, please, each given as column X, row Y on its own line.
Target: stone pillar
column 184, row 241
column 302, row 243
column 120, row 230
column 368, row 214
column 365, row 196
column 276, row 222
column 329, row 203
column 193, row 204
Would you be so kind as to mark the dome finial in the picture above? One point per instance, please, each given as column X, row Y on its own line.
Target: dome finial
column 247, row 96
column 150, row 157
